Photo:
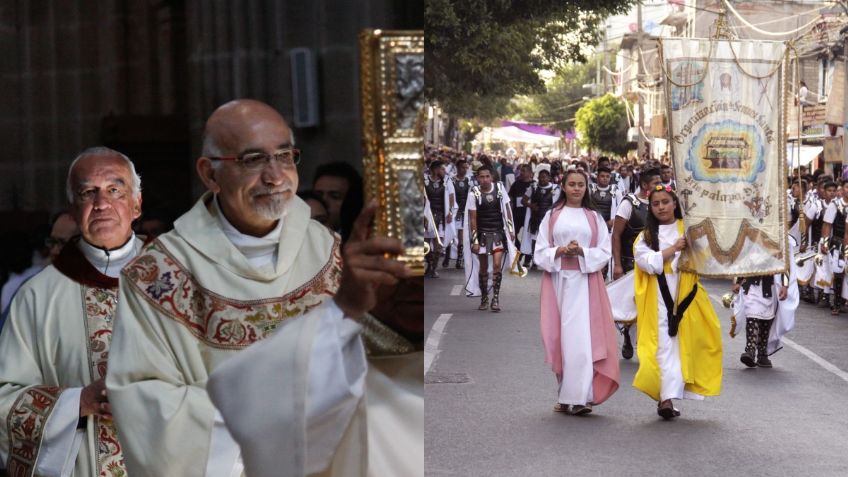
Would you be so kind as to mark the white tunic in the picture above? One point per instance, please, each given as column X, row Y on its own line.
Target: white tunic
column 668, row 348
column 572, row 292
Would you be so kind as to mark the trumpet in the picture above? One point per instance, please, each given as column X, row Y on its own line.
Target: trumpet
column 800, row 259
column 727, row 299
column 516, row 268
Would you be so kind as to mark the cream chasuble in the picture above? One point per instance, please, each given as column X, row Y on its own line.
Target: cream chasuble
column 190, row 301
column 394, row 402
column 56, row 341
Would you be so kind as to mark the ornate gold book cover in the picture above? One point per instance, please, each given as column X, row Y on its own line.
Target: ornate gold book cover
column 392, row 94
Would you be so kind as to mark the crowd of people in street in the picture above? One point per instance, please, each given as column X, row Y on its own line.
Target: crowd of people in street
column 598, row 224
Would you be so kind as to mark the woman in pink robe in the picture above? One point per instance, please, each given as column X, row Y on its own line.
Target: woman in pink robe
column 578, row 332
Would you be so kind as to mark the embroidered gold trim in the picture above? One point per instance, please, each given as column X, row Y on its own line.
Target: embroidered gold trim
column 25, row 424
column 380, row 340
column 216, row 320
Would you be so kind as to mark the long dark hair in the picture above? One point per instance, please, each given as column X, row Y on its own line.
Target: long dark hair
column 652, row 225
column 586, row 202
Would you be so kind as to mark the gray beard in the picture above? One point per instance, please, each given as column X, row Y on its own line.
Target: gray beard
column 273, row 209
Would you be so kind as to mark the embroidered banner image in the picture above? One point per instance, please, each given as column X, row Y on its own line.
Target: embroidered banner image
column 726, row 101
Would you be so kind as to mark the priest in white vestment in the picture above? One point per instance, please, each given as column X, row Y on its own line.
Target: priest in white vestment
column 56, row 418
column 244, row 261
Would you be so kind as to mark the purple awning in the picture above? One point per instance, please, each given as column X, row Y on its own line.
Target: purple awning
column 532, row 128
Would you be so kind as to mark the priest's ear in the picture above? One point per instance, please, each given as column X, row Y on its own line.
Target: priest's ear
column 136, row 206
column 208, row 172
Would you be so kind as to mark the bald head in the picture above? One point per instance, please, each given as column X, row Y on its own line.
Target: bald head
column 252, row 197
column 238, row 119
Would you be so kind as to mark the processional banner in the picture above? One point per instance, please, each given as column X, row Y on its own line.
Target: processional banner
column 726, row 101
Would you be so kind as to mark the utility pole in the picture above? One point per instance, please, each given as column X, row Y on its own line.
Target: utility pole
column 639, row 76
column 597, row 89
column 606, row 58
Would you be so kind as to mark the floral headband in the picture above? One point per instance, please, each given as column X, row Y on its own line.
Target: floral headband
column 660, row 187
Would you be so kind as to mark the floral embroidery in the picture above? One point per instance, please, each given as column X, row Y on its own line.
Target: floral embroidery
column 100, row 305
column 26, row 422
column 109, row 457
column 218, row 321
column 161, row 286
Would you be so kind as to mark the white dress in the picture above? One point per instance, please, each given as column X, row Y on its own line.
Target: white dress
column 572, row 293
column 668, row 348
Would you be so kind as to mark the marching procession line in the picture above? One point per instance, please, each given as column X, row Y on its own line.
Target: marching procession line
column 457, row 289
column 808, row 353
column 431, row 346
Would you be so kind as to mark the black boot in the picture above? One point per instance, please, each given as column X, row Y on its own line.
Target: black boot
column 496, row 290
column 436, row 253
column 484, row 290
column 751, row 337
column 446, row 261
column 805, row 294
column 460, row 258
column 627, row 347
column 763, row 360
column 428, row 261
column 835, row 298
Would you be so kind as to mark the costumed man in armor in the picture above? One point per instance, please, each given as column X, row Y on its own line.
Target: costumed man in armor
column 490, row 233
column 606, row 196
column 823, row 283
column 629, row 222
column 795, row 202
column 626, row 180
column 462, row 183
column 833, row 229
column 813, row 211
column 761, row 301
column 442, row 208
column 538, row 199
column 767, row 304
column 56, row 414
column 516, row 197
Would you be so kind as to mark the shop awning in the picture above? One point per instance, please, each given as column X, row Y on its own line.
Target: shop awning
column 807, row 154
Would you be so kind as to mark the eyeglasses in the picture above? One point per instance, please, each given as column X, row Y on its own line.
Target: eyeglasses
column 255, row 161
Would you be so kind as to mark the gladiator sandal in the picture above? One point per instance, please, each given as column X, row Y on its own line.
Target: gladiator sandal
column 484, row 291
column 435, row 262
column 428, row 260
column 446, row 261
column 751, row 337
column 460, row 258
column 498, row 276
column 763, row 360
column 627, row 347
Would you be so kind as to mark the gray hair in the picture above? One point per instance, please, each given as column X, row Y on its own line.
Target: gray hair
column 211, row 148
column 103, row 151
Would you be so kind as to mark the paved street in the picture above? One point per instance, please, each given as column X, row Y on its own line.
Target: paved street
column 489, row 398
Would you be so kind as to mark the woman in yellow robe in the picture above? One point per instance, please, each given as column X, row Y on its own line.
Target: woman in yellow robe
column 681, row 361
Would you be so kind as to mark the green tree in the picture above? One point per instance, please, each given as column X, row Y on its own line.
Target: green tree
column 564, row 96
column 602, row 124
column 481, row 53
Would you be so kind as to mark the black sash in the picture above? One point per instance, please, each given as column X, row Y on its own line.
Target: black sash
column 674, row 320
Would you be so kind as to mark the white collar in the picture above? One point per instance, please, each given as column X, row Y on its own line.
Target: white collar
column 262, row 248
column 112, row 261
